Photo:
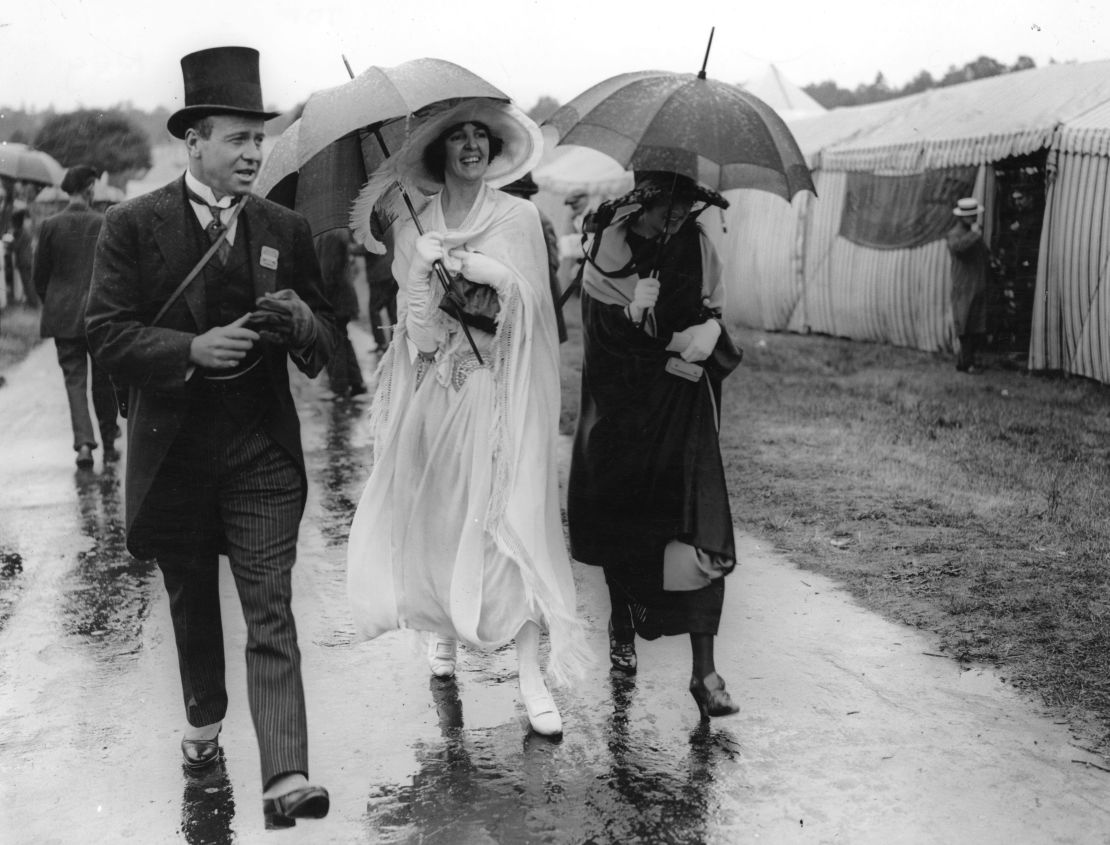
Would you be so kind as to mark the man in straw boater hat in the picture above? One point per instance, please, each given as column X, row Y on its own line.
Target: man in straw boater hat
column 201, row 293
column 970, row 269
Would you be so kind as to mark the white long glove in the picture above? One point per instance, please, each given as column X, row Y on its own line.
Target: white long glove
column 420, row 319
column 481, row 268
column 679, row 342
column 644, row 296
column 703, row 338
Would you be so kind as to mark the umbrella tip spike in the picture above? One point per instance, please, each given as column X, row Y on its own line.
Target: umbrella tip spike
column 705, row 61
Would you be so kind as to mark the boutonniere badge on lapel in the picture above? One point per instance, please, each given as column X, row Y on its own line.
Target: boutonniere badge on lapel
column 269, row 258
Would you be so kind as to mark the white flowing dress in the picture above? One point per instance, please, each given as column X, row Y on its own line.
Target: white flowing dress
column 458, row 530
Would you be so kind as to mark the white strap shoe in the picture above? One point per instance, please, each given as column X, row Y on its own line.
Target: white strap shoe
column 542, row 712
column 442, row 655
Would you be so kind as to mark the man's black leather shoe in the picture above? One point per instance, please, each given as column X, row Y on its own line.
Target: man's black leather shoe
column 308, row 802
column 200, row 753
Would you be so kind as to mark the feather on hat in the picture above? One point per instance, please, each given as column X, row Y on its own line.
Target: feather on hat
column 522, row 147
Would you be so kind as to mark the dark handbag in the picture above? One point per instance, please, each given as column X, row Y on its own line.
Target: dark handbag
column 123, row 392
column 472, row 303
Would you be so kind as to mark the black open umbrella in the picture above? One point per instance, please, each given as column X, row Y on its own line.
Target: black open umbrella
column 715, row 133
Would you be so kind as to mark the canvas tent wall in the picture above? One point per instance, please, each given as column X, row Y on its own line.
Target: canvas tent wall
column 818, row 279
column 1071, row 318
column 763, row 240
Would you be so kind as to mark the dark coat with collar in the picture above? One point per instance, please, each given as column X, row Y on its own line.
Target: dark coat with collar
column 63, row 268
column 145, row 250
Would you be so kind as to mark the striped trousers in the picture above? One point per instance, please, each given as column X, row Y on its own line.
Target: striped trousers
column 242, row 494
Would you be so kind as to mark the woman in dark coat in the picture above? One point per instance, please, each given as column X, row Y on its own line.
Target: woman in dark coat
column 647, row 497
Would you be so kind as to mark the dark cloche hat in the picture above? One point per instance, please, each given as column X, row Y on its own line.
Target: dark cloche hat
column 219, row 80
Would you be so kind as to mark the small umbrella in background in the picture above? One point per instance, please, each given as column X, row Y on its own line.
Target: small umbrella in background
column 567, row 169
column 712, row 132
column 23, row 164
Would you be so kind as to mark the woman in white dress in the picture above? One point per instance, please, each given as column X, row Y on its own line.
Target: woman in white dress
column 458, row 532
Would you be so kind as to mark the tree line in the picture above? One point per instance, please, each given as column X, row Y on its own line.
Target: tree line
column 119, row 139
column 831, row 96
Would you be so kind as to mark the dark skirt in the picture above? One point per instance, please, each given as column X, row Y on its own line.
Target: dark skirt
column 662, row 613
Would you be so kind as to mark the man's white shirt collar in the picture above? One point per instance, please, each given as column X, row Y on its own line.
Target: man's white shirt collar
column 204, row 215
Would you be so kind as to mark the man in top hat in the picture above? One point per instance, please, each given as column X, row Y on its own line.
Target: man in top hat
column 62, row 272
column 214, row 453
column 970, row 266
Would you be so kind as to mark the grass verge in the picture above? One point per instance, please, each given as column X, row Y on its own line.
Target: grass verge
column 969, row 506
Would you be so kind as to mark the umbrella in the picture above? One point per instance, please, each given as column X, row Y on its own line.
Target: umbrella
column 344, row 133
column 334, row 144
column 714, row 133
column 26, row 165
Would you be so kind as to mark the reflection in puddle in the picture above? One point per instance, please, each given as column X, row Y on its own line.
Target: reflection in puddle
column 11, row 568
column 344, row 470
column 485, row 786
column 108, row 593
column 208, row 807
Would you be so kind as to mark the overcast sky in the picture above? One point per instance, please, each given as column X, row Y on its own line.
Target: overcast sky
column 98, row 53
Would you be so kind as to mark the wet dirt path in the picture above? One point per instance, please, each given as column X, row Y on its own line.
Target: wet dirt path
column 850, row 729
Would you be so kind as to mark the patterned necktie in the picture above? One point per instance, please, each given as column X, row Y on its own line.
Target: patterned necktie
column 215, row 228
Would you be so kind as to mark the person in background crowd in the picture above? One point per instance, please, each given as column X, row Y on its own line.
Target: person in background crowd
column 23, row 254
column 970, row 274
column 382, row 305
column 525, row 187
column 215, row 463
column 7, row 208
column 62, row 271
column 571, row 253
column 333, row 251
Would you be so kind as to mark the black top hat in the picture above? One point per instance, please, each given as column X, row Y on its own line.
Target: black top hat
column 219, row 80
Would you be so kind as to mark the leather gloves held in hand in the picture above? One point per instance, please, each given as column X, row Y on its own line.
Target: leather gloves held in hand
column 283, row 318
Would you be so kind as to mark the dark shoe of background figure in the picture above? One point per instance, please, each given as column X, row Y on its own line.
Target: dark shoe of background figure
column 111, row 453
column 84, row 456
column 308, row 802
column 622, row 652
column 199, row 754
column 712, row 701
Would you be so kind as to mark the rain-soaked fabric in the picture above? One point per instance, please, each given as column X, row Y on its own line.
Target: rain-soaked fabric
column 902, row 212
column 458, row 530
column 646, row 468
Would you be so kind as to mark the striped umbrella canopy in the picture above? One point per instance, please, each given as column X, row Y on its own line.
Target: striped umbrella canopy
column 710, row 131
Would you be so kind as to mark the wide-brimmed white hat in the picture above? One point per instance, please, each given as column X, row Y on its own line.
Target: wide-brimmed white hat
column 967, row 207
column 521, row 149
